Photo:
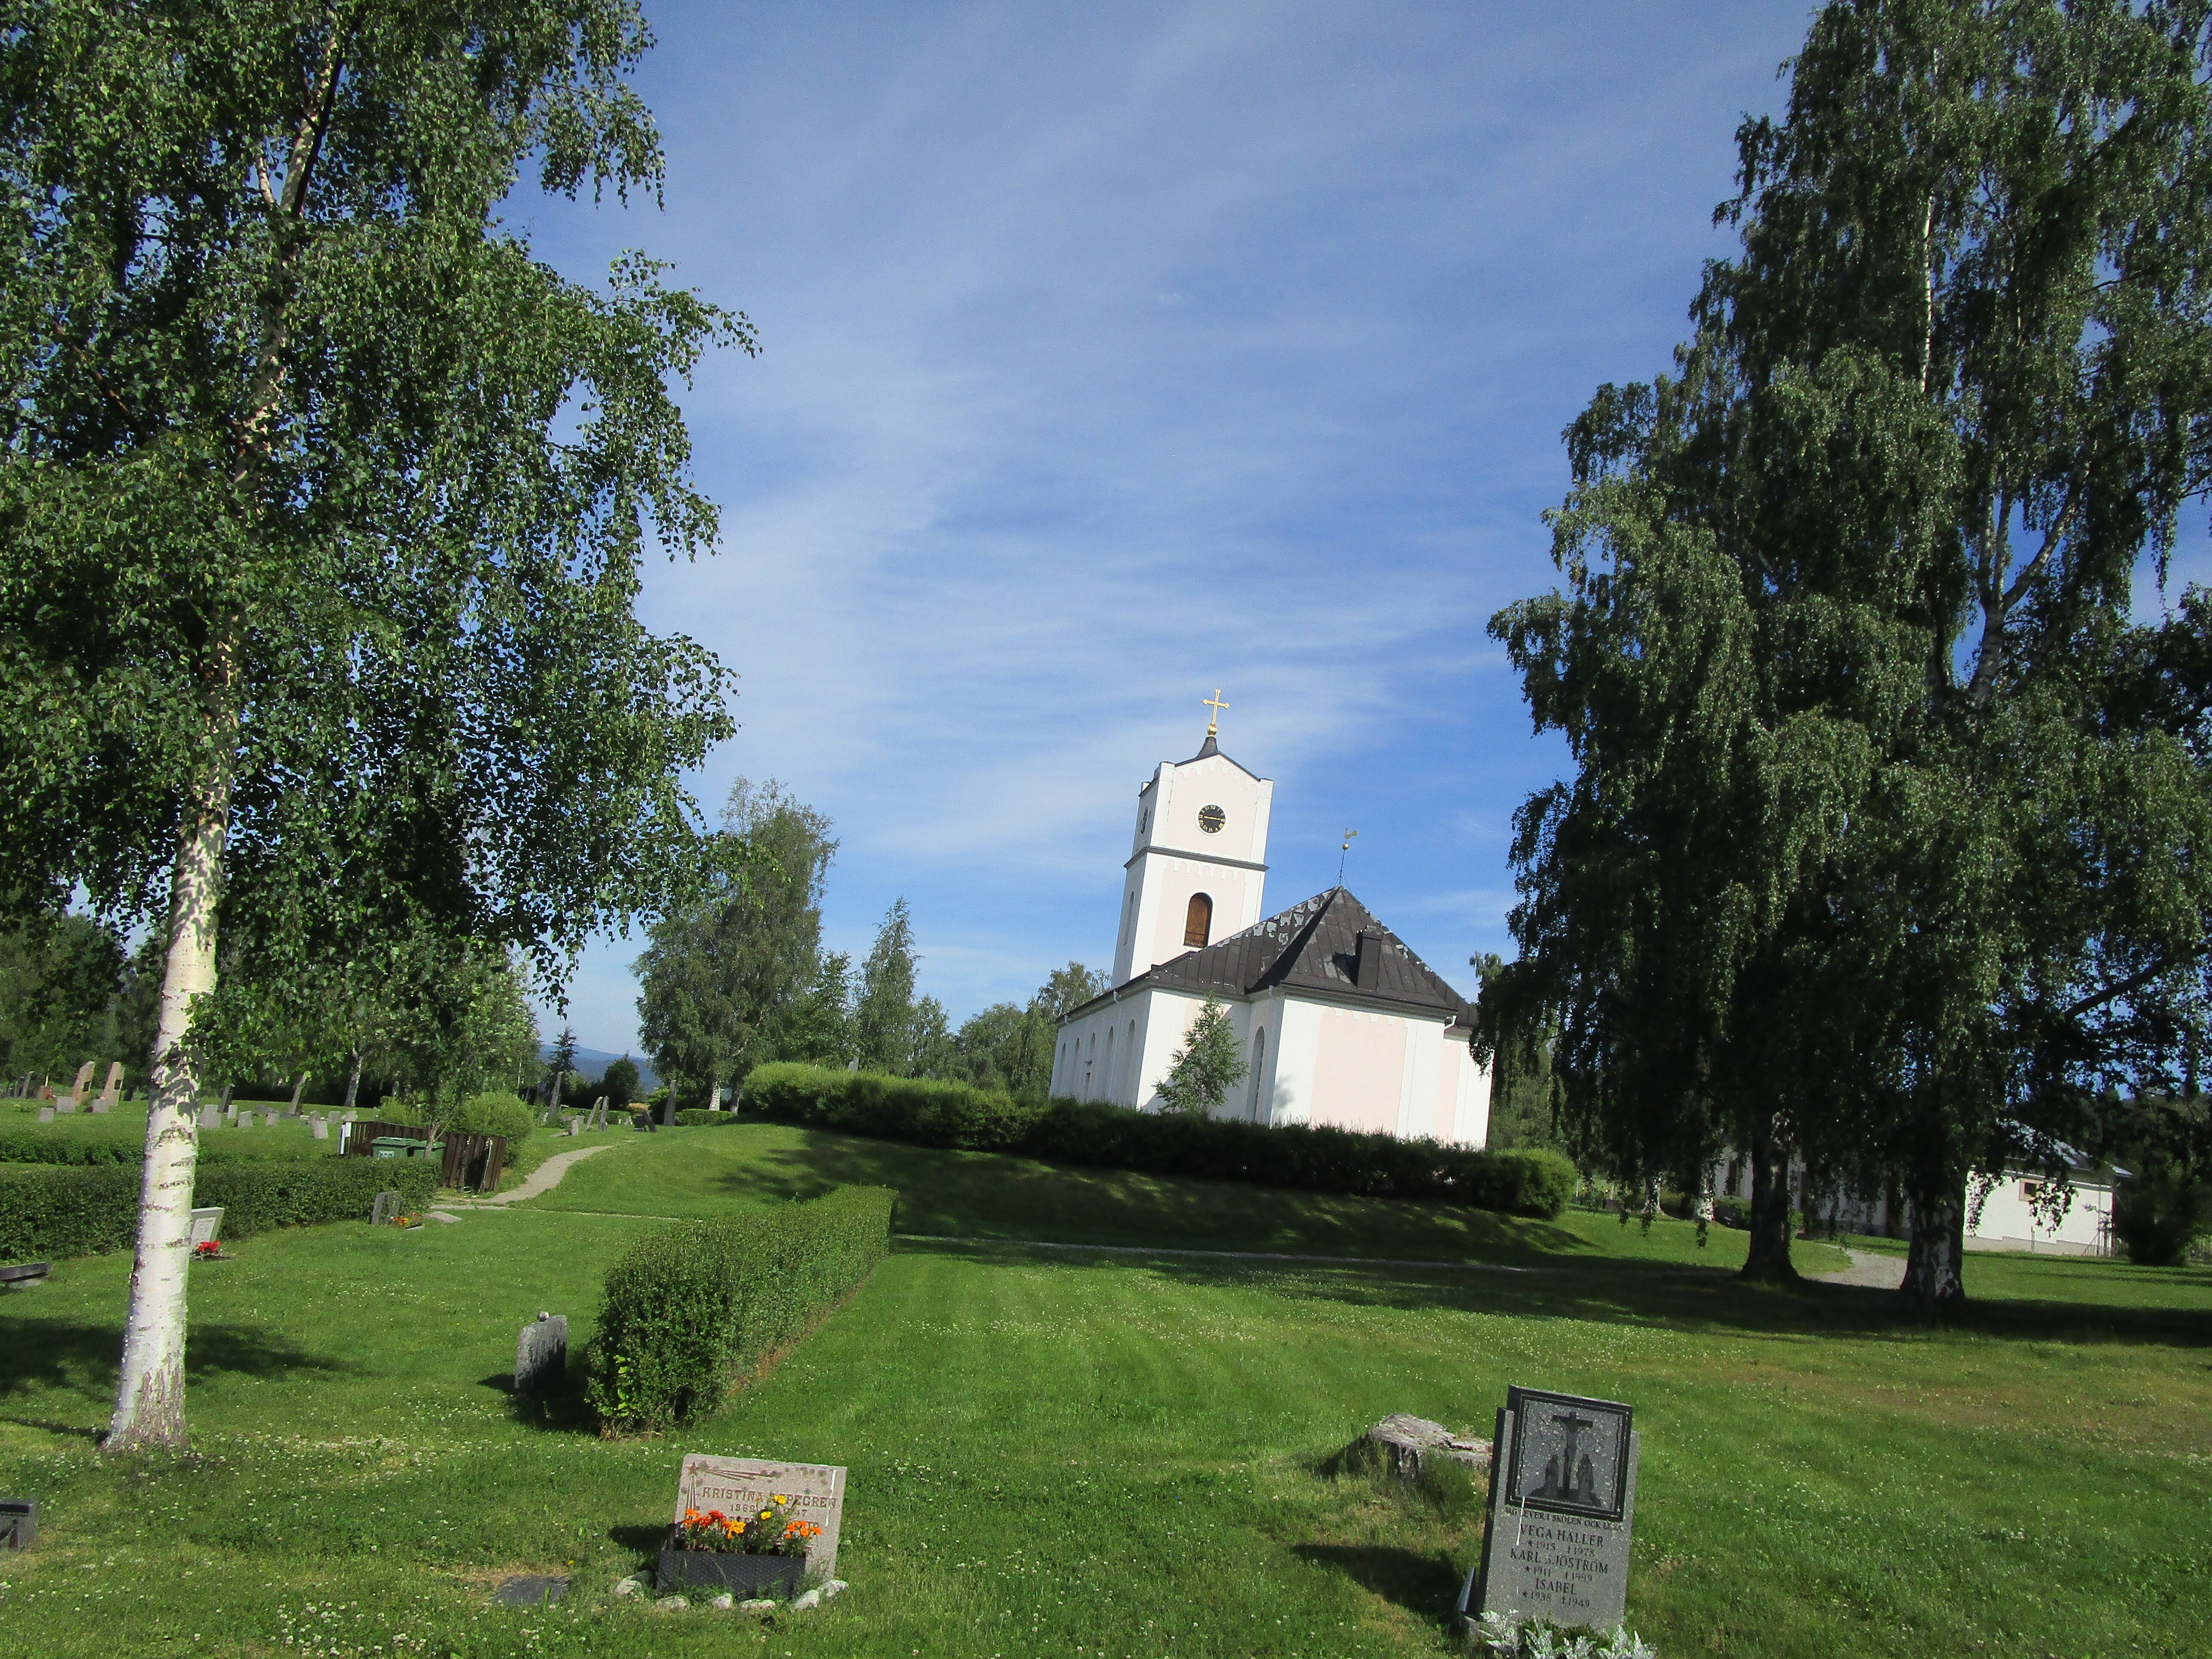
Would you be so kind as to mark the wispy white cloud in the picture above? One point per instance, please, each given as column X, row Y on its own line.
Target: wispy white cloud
column 1112, row 356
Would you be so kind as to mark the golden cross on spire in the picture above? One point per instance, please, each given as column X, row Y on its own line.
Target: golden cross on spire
column 1215, row 703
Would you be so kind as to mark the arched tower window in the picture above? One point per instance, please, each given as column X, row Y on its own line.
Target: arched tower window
column 1198, row 921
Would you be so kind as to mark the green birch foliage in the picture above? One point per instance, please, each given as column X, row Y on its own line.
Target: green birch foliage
column 313, row 478
column 718, row 979
column 1205, row 1067
column 1886, row 832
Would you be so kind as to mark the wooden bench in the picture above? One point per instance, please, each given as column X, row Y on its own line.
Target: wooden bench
column 28, row 1273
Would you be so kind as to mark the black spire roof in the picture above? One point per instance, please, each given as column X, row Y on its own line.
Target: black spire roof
column 1331, row 944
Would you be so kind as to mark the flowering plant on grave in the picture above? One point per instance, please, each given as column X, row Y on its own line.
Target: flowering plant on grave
column 1515, row 1636
column 771, row 1530
column 208, row 1247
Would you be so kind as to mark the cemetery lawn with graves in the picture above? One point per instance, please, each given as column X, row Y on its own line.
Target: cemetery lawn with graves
column 1122, row 1456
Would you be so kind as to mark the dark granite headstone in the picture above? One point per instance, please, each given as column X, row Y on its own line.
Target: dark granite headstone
column 1562, row 1507
column 19, row 1522
column 541, row 1355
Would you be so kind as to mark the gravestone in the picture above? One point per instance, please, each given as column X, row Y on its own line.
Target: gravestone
column 599, row 1118
column 230, row 1116
column 46, row 1114
column 348, row 1118
column 541, row 1354
column 19, row 1522
column 208, row 1119
column 1562, row 1507
column 84, row 1082
column 733, row 1485
column 269, row 1120
column 386, row 1207
column 100, row 1108
column 1406, row 1446
column 207, row 1225
column 112, row 1093
column 576, row 1126
column 322, row 1129
column 65, row 1105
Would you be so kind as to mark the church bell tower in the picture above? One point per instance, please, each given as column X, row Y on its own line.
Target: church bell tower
column 1198, row 863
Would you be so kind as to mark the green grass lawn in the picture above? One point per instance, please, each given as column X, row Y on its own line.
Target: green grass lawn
column 699, row 1172
column 1122, row 1457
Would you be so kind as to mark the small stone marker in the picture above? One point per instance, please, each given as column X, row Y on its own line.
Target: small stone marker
column 576, row 1126
column 207, row 1118
column 817, row 1491
column 100, row 1107
column 541, row 1354
column 65, row 1105
column 46, row 1114
column 1562, row 1506
column 529, row 1592
column 386, row 1207
column 1406, row 1446
column 269, row 1120
column 322, row 1129
column 207, row 1225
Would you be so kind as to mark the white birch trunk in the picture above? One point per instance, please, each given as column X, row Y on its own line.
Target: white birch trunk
column 150, row 1397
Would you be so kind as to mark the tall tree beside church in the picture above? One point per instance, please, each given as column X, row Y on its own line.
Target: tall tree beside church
column 2009, row 208
column 324, row 504
column 885, row 1029
column 719, row 977
column 1861, row 851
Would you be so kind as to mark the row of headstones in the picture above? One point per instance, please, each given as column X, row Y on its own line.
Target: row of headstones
column 110, row 1096
column 231, row 1117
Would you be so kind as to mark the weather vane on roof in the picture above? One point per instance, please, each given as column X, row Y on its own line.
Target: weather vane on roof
column 1215, row 703
column 1344, row 853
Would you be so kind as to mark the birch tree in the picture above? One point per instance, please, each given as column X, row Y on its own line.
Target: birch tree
column 322, row 505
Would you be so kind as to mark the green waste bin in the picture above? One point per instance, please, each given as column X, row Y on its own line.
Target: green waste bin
column 402, row 1146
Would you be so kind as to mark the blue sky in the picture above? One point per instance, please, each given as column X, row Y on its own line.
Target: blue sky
column 1113, row 354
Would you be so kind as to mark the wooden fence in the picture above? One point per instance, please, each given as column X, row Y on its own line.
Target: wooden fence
column 471, row 1161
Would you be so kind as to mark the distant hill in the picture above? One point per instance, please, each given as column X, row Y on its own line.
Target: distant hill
column 593, row 1062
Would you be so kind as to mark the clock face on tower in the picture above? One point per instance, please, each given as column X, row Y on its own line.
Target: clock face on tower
column 1211, row 818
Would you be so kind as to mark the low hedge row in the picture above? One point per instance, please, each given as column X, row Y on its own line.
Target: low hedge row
column 698, row 1117
column 91, row 1142
column 51, row 1210
column 1305, row 1156
column 689, row 1307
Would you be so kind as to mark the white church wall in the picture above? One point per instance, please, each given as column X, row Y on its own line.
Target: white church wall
column 1417, row 1090
column 1359, row 1074
column 1298, row 1050
column 1463, row 1093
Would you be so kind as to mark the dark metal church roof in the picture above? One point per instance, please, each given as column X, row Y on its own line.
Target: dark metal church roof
column 1316, row 946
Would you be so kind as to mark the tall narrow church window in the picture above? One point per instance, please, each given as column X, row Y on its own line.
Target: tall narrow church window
column 1106, row 1072
column 1258, row 1064
column 1198, row 921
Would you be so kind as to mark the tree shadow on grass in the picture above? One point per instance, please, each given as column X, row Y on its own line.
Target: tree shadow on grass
column 1689, row 1300
column 948, row 1192
column 1427, row 1586
column 83, row 1356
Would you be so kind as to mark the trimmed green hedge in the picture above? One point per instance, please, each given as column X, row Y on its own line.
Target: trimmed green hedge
column 698, row 1117
column 1309, row 1158
column 49, row 1211
column 689, row 1307
column 92, row 1140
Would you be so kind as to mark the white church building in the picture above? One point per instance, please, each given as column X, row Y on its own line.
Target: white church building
column 1339, row 1022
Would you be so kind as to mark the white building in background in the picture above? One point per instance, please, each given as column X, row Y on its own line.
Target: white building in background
column 1339, row 1023
column 2011, row 1212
